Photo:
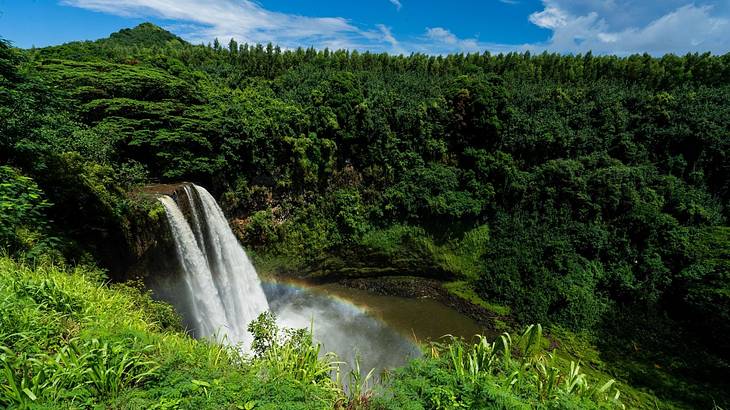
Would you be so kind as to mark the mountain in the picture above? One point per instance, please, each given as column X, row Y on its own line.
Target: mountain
column 587, row 192
column 118, row 45
column 144, row 35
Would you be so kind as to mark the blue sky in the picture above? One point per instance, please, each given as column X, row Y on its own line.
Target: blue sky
column 395, row 26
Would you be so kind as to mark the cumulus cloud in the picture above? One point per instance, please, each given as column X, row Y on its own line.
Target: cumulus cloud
column 246, row 21
column 390, row 38
column 443, row 35
column 439, row 40
column 619, row 14
column 397, row 4
column 575, row 26
column 600, row 26
column 609, row 27
column 551, row 17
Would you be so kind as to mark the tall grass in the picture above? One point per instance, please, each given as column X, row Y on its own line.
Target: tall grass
column 78, row 373
column 358, row 391
column 521, row 365
column 512, row 371
column 46, row 352
column 67, row 340
column 292, row 354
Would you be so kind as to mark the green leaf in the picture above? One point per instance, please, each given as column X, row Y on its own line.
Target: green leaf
column 201, row 383
column 29, row 394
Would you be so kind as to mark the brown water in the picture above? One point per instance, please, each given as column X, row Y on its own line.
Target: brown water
column 422, row 318
column 382, row 331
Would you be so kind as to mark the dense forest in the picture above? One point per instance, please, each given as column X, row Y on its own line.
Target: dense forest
column 587, row 193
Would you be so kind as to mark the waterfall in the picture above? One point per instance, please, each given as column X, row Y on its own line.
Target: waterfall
column 222, row 290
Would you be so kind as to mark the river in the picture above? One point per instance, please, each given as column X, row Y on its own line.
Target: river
column 383, row 331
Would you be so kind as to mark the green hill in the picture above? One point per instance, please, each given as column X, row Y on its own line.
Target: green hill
column 588, row 193
column 144, row 35
column 69, row 341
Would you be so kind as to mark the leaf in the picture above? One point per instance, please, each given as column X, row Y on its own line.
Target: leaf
column 606, row 386
column 29, row 394
column 201, row 383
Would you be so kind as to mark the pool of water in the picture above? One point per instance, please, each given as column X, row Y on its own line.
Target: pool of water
column 382, row 331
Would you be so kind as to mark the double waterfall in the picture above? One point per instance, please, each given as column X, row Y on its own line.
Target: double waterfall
column 221, row 290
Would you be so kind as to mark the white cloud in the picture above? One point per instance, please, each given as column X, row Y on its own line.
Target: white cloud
column 246, row 21
column 579, row 26
column 551, row 17
column 510, row 2
column 388, row 36
column 397, row 4
column 438, row 40
column 597, row 26
column 576, row 26
column 619, row 14
column 442, row 35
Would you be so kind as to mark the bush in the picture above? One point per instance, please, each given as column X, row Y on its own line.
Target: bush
column 67, row 340
column 412, row 249
column 513, row 372
column 24, row 226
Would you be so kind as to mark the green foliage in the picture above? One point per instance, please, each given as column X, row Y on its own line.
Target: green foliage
column 145, row 35
column 8, row 60
column 291, row 353
column 351, row 218
column 67, row 341
column 433, row 192
column 68, row 364
column 359, row 392
column 310, row 233
column 260, row 228
column 464, row 290
column 160, row 314
column 23, row 218
column 405, row 246
column 513, row 372
column 573, row 189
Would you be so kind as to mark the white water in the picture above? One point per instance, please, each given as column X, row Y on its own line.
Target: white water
column 222, row 288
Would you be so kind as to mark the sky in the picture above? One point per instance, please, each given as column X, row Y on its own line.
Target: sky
column 396, row 26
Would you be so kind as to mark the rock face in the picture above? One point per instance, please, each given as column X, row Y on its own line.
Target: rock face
column 171, row 190
column 151, row 246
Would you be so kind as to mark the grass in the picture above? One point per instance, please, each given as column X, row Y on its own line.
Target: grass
column 464, row 291
column 69, row 340
column 511, row 372
column 581, row 347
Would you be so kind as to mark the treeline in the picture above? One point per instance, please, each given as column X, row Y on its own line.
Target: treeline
column 151, row 44
column 585, row 191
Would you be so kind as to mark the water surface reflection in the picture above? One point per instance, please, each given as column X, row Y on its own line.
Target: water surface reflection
column 382, row 330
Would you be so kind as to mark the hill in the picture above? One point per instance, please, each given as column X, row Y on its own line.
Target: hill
column 144, row 35
column 68, row 341
column 583, row 192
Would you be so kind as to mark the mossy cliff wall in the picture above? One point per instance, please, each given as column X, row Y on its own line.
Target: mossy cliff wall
column 151, row 247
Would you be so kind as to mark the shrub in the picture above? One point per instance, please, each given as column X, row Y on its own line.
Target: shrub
column 513, row 372
column 23, row 219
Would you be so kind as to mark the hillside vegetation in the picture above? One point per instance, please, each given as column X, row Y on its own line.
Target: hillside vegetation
column 585, row 192
column 69, row 341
